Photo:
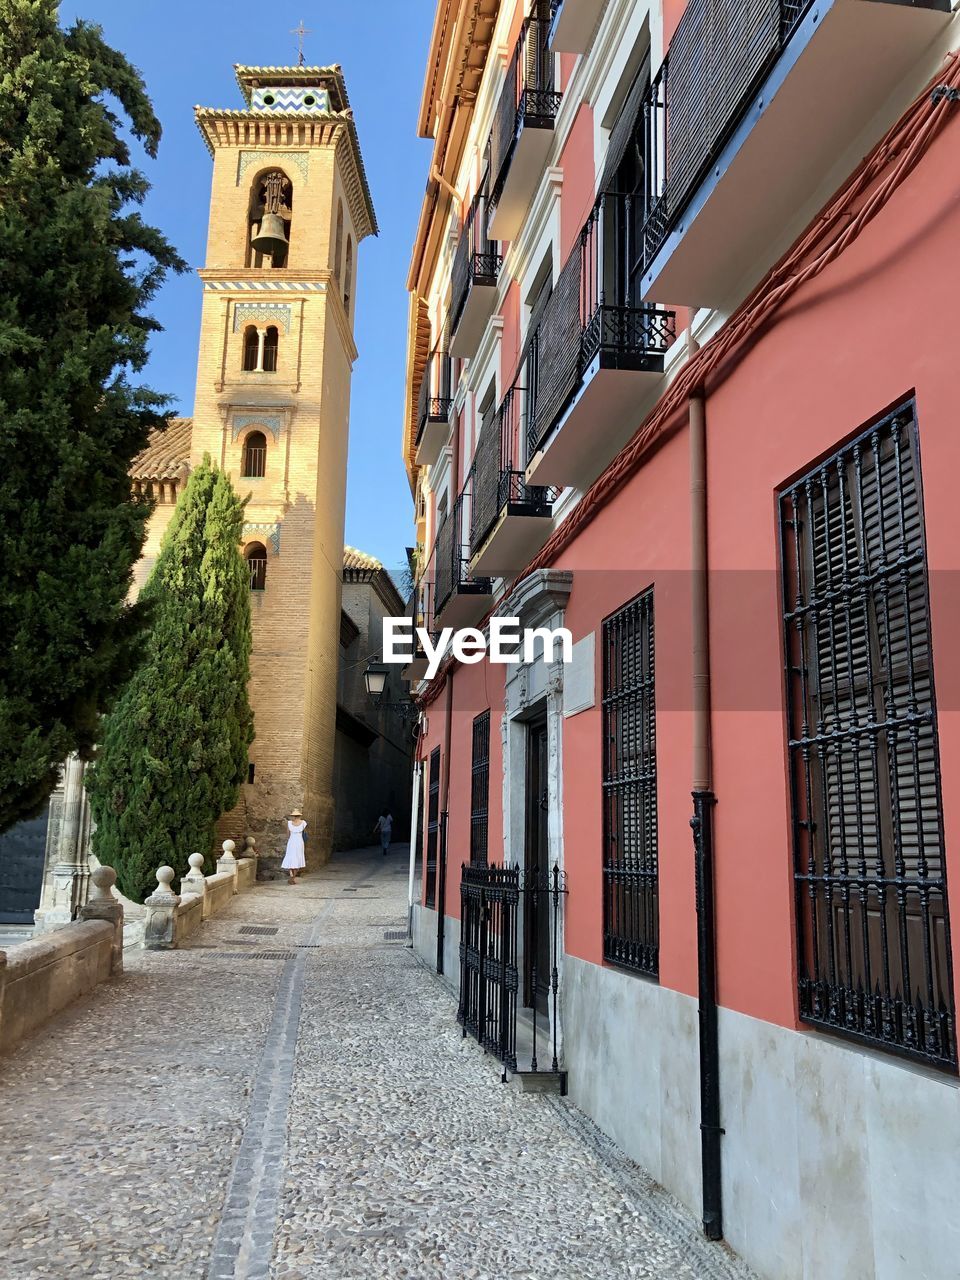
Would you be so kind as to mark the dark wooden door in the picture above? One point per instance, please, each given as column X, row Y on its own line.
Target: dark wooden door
column 536, row 949
column 21, row 870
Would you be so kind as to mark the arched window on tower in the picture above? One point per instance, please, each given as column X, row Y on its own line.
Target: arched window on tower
column 271, row 347
column 251, row 348
column 348, row 276
column 255, row 554
column 338, row 243
column 254, row 461
column 270, row 220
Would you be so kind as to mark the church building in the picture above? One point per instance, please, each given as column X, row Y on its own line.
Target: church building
column 290, row 205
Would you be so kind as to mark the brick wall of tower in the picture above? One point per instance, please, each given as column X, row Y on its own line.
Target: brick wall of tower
column 296, row 618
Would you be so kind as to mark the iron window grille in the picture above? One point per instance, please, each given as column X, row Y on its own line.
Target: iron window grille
column 873, row 937
column 529, row 97
column 256, row 556
column 498, row 483
column 480, row 790
column 631, row 914
column 433, row 827
column 718, row 57
column 477, row 259
column 253, row 460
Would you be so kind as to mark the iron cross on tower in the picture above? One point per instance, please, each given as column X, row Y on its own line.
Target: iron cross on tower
column 301, row 33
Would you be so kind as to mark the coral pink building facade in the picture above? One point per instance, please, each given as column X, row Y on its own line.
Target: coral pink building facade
column 740, row 500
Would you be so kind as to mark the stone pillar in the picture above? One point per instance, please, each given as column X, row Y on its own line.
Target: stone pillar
column 103, row 904
column 66, row 875
column 195, row 881
column 159, row 926
column 227, row 862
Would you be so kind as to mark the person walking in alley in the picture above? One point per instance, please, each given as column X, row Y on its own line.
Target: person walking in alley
column 293, row 858
column 385, row 828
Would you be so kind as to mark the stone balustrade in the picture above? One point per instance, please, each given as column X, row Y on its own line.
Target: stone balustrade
column 173, row 917
column 41, row 977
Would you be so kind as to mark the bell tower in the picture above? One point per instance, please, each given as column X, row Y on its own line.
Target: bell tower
column 290, row 205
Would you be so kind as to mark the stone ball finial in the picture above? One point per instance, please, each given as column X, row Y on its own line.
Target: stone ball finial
column 251, row 845
column 196, row 861
column 229, row 846
column 104, row 878
column 165, row 877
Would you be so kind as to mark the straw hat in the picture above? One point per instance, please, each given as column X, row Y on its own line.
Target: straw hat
column 295, row 813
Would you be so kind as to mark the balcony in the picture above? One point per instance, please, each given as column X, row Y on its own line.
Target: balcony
column 460, row 598
column 593, row 356
column 744, row 125
column 510, row 519
column 433, row 407
column 522, row 126
column 476, row 270
column 416, row 668
column 574, row 23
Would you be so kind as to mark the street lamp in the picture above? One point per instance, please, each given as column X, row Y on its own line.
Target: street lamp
column 375, row 680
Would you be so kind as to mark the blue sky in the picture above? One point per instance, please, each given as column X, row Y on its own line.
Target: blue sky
column 186, row 52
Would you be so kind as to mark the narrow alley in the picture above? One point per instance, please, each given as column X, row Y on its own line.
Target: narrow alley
column 290, row 1096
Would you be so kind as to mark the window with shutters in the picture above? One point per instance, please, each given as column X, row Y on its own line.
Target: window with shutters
column 719, row 54
column 873, row 940
column 631, row 913
column 433, row 826
column 622, row 182
column 539, row 299
column 480, row 789
column 595, row 316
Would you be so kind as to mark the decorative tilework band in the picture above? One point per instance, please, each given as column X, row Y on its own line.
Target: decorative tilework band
column 274, row 422
column 278, row 313
column 264, row 286
column 270, row 531
column 299, row 160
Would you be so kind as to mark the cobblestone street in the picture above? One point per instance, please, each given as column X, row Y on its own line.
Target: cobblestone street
column 291, row 1097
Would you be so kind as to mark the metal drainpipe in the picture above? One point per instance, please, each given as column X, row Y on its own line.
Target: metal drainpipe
column 445, row 753
column 442, row 833
column 704, row 801
column 414, row 824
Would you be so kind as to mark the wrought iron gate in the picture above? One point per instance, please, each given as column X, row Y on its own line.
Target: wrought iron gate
column 494, row 901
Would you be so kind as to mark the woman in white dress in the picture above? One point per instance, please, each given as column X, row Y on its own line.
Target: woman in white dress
column 293, row 859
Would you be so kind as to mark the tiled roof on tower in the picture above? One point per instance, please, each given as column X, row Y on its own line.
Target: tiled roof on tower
column 294, row 107
column 167, row 455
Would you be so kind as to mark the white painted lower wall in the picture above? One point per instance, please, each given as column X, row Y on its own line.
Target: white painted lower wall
column 838, row 1163
column 425, row 943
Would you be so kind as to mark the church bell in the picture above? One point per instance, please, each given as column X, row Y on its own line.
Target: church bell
column 271, row 238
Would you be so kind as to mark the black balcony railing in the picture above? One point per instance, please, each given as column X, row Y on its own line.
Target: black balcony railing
column 477, row 260
column 718, row 56
column 452, row 556
column 497, row 480
column 590, row 313
column 529, row 97
column 436, row 390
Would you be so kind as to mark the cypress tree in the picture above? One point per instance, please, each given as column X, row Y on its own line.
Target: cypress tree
column 78, row 267
column 174, row 747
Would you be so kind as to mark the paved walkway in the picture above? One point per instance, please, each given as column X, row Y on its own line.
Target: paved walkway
column 291, row 1098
